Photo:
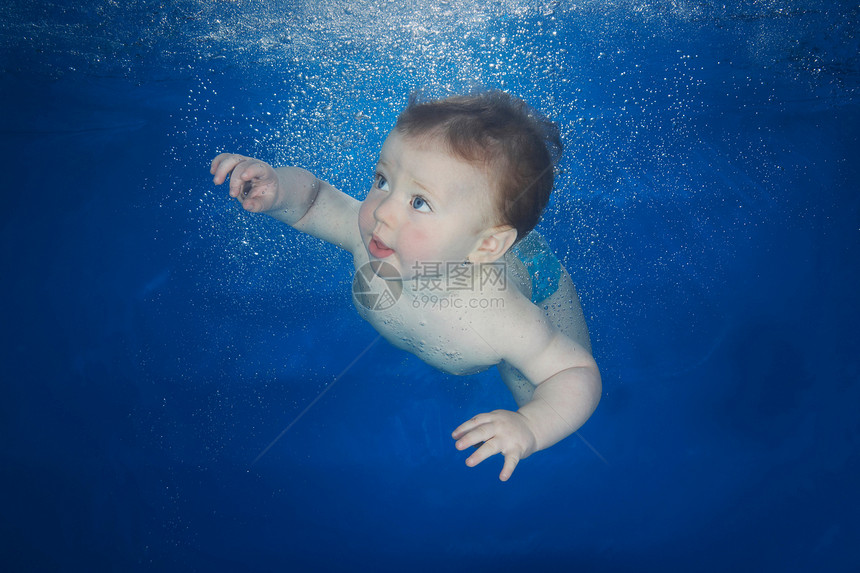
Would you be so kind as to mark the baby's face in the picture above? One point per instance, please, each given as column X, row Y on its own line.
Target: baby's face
column 426, row 208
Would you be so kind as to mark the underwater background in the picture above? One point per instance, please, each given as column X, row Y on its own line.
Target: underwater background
column 164, row 353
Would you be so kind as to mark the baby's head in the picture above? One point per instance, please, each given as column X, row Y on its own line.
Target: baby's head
column 495, row 130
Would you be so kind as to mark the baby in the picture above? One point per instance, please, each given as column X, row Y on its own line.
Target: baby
column 447, row 264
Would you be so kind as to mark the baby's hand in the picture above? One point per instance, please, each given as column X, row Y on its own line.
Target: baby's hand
column 252, row 182
column 501, row 431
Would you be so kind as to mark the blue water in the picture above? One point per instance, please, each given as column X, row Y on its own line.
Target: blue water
column 156, row 340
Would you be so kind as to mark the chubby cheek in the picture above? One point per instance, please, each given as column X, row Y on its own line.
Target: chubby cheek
column 415, row 247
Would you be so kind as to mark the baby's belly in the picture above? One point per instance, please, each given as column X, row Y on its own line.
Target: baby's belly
column 445, row 357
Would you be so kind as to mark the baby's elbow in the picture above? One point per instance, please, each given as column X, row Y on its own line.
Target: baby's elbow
column 597, row 389
column 595, row 386
column 586, row 384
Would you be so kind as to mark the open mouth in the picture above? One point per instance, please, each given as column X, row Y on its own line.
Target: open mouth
column 379, row 249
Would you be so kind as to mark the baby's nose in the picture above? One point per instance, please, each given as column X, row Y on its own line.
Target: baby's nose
column 386, row 211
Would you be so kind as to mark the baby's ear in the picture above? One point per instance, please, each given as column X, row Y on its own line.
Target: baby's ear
column 494, row 245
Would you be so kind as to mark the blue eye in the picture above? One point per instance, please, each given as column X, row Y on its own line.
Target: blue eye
column 381, row 182
column 419, row 204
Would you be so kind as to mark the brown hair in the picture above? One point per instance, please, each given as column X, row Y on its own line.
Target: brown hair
column 495, row 128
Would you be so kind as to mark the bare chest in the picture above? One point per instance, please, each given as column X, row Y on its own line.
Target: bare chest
column 441, row 330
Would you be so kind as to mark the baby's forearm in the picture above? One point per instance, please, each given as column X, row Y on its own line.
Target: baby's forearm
column 561, row 404
column 297, row 190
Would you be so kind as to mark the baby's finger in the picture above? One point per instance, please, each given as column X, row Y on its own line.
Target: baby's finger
column 222, row 166
column 468, row 426
column 213, row 167
column 511, row 462
column 244, row 173
column 480, row 434
column 482, row 453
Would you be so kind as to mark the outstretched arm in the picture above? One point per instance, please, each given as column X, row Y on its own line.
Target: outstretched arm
column 292, row 195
